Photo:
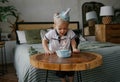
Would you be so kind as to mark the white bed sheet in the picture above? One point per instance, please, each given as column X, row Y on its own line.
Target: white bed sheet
column 22, row 64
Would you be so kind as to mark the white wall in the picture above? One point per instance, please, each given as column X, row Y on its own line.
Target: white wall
column 43, row 10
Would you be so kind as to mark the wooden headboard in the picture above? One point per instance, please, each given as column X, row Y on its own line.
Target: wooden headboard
column 41, row 25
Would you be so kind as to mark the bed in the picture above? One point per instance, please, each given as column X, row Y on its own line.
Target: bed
column 108, row 72
column 25, row 72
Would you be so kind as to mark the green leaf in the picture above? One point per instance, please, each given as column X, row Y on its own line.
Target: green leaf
column 32, row 51
column 3, row 1
column 4, row 18
column 6, row 11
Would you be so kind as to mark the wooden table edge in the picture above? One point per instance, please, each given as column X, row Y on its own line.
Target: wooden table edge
column 65, row 67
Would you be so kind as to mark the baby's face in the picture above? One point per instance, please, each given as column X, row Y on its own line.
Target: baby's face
column 62, row 28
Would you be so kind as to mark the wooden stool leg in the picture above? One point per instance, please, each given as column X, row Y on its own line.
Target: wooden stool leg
column 46, row 76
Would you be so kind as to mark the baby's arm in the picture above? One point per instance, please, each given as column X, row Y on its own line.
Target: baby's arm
column 74, row 46
column 45, row 46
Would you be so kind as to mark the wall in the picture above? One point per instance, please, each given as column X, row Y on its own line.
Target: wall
column 43, row 10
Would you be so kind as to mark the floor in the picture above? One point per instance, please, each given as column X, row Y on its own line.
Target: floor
column 10, row 76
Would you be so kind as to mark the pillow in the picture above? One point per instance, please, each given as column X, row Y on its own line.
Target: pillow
column 33, row 36
column 21, row 36
column 49, row 29
column 42, row 33
column 79, row 36
column 82, row 38
column 77, row 32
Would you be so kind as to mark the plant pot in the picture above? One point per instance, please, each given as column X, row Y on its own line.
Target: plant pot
column 13, row 36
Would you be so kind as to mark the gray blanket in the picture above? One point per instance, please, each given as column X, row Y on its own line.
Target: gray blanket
column 110, row 70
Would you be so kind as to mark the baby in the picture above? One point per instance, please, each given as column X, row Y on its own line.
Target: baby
column 61, row 37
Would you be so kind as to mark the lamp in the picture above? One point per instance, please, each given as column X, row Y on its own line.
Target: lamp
column 91, row 18
column 107, row 12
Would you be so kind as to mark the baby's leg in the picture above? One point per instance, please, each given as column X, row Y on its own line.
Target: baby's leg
column 63, row 79
column 71, row 78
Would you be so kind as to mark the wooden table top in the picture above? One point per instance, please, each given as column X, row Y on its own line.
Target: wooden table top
column 77, row 62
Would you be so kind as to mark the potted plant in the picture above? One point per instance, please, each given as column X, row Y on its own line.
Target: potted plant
column 6, row 11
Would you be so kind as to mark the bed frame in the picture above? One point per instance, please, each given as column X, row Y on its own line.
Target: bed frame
column 41, row 25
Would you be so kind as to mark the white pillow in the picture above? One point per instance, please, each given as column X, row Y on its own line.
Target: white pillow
column 42, row 33
column 21, row 37
column 82, row 38
column 49, row 29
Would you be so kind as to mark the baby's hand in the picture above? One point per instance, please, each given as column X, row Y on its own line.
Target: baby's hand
column 76, row 51
column 48, row 52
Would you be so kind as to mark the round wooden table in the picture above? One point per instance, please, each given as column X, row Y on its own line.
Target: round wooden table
column 77, row 62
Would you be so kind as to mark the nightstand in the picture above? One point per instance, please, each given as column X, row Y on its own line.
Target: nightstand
column 108, row 33
column 3, row 66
